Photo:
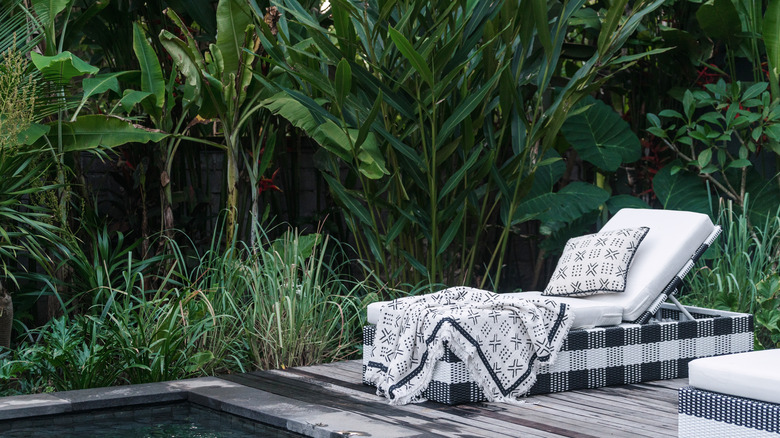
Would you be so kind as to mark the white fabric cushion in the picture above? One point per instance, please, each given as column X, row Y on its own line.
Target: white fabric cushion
column 586, row 314
column 751, row 375
column 595, row 263
column 673, row 238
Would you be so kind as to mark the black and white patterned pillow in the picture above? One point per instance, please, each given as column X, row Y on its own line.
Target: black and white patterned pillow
column 595, row 263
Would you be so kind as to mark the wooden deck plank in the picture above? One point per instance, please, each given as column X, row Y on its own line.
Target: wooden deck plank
column 642, row 410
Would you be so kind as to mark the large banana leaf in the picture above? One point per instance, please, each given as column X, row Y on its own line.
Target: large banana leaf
column 329, row 135
column 62, row 67
column 152, row 79
column 97, row 131
column 233, row 17
column 601, row 137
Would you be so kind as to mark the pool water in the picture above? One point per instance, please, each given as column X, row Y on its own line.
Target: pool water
column 179, row 420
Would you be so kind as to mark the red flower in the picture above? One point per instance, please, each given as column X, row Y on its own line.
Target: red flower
column 266, row 184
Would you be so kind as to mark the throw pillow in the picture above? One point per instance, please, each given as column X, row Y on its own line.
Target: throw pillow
column 595, row 263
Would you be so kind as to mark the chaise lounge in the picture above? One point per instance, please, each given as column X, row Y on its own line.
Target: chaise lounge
column 618, row 338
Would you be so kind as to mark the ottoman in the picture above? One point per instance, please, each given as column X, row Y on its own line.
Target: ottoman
column 736, row 395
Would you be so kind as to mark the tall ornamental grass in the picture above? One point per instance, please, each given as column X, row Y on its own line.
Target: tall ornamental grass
column 273, row 304
column 739, row 273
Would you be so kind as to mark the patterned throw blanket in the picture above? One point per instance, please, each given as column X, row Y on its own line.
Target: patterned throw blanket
column 501, row 339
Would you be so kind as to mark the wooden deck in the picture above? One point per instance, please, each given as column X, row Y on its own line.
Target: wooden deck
column 639, row 410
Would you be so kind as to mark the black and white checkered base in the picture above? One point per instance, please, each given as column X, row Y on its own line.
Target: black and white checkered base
column 714, row 415
column 603, row 356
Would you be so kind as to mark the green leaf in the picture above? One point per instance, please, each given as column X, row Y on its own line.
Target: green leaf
column 566, row 205
column 704, row 158
column 233, row 17
column 343, row 82
column 353, row 206
column 601, row 137
column 186, row 63
column 458, row 176
column 152, row 79
column 739, row 163
column 719, row 19
column 61, row 67
column 132, row 98
column 451, row 232
column 681, row 191
column 771, row 37
column 689, row 105
column 365, row 127
column 754, row 90
column 465, row 108
column 101, row 83
column 98, row 131
column 417, row 61
column 541, row 22
column 611, row 22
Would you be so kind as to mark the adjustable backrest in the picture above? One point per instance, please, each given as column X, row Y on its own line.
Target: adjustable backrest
column 675, row 241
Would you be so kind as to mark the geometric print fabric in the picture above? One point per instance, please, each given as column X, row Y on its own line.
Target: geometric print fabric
column 501, row 340
column 595, row 263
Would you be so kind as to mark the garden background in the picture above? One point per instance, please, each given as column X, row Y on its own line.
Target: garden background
column 200, row 187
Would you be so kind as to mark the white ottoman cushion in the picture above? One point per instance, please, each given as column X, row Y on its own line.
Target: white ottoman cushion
column 673, row 238
column 587, row 314
column 751, row 375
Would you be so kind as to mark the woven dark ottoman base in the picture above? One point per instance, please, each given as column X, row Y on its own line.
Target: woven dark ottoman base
column 604, row 356
column 711, row 414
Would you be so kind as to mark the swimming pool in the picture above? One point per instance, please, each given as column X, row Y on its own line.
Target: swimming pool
column 171, row 420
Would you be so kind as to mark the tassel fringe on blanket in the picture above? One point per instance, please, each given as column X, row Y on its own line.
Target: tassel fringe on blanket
column 502, row 340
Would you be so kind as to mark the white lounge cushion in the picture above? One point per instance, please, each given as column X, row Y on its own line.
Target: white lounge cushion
column 586, row 314
column 751, row 375
column 673, row 238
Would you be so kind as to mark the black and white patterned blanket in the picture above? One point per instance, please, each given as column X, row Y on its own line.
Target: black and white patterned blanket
column 501, row 339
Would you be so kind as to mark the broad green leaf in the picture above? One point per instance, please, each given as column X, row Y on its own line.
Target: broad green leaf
column 98, row 85
column 62, row 67
column 719, row 19
column 568, row 204
column 33, row 133
column 771, row 37
column 681, row 191
column 187, row 65
column 48, row 9
column 98, row 131
column 233, row 17
column 131, row 98
column 329, row 135
column 152, row 79
column 763, row 195
column 370, row 158
column 601, row 137
column 417, row 61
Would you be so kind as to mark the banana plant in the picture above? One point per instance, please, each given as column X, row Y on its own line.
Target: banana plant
column 219, row 80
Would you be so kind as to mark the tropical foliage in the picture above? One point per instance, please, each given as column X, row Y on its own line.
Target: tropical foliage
column 441, row 142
